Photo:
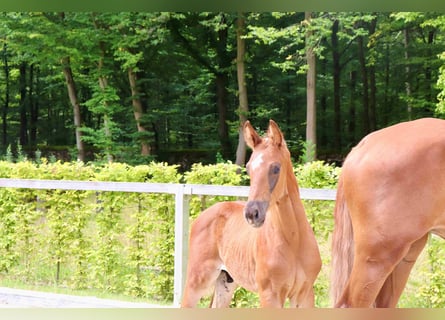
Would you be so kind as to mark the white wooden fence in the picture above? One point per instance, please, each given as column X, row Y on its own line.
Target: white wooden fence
column 182, row 193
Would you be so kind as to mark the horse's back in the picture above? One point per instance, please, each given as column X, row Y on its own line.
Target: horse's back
column 220, row 211
column 401, row 144
column 209, row 225
column 397, row 174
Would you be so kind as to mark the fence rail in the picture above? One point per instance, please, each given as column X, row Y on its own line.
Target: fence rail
column 182, row 193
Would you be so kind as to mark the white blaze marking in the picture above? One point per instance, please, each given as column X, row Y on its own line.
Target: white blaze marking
column 258, row 161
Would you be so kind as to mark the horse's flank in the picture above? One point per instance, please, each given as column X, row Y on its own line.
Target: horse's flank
column 391, row 194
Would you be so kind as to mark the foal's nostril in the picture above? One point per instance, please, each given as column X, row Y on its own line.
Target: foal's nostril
column 255, row 212
column 252, row 214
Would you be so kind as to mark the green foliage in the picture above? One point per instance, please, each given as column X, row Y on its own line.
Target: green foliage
column 19, row 217
column 223, row 173
column 430, row 293
column 440, row 109
column 177, row 57
column 110, row 225
column 8, row 221
column 317, row 175
column 104, row 103
column 159, row 217
column 308, row 151
column 14, row 153
column 244, row 299
column 66, row 213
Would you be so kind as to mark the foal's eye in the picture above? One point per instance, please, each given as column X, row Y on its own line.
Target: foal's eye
column 275, row 169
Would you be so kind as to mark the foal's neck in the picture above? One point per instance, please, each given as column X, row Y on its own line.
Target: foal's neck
column 288, row 206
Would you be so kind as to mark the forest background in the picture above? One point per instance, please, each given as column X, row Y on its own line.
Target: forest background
column 174, row 87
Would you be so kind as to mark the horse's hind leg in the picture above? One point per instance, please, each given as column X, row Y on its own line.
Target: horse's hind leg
column 224, row 288
column 393, row 287
column 373, row 263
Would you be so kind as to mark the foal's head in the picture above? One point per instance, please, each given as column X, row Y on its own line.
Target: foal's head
column 267, row 167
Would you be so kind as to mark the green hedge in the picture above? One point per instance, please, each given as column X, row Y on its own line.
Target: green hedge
column 115, row 241
column 122, row 242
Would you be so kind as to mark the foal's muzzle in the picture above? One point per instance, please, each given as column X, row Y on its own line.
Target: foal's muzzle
column 255, row 212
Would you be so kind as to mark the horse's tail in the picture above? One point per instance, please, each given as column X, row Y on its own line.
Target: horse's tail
column 342, row 246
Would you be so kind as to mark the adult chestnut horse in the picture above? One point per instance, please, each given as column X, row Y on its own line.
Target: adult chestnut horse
column 391, row 195
column 265, row 245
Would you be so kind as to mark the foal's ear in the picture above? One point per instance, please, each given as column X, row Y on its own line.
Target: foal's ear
column 251, row 137
column 274, row 133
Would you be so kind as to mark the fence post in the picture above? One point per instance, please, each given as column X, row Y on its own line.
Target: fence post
column 182, row 209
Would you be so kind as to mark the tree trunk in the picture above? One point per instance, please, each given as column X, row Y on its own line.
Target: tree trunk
column 409, row 108
column 428, row 73
column 324, row 128
column 385, row 108
column 336, row 81
column 23, row 105
column 66, row 68
column 103, row 84
column 138, row 111
column 222, row 83
column 34, row 105
column 372, row 86
column 6, row 104
column 221, row 102
column 364, row 74
column 351, row 122
column 311, row 116
column 242, row 90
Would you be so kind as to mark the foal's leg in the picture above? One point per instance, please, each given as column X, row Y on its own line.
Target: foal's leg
column 270, row 299
column 224, row 288
column 201, row 277
column 306, row 299
column 272, row 295
column 198, row 284
column 393, row 287
column 272, row 279
column 203, row 269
